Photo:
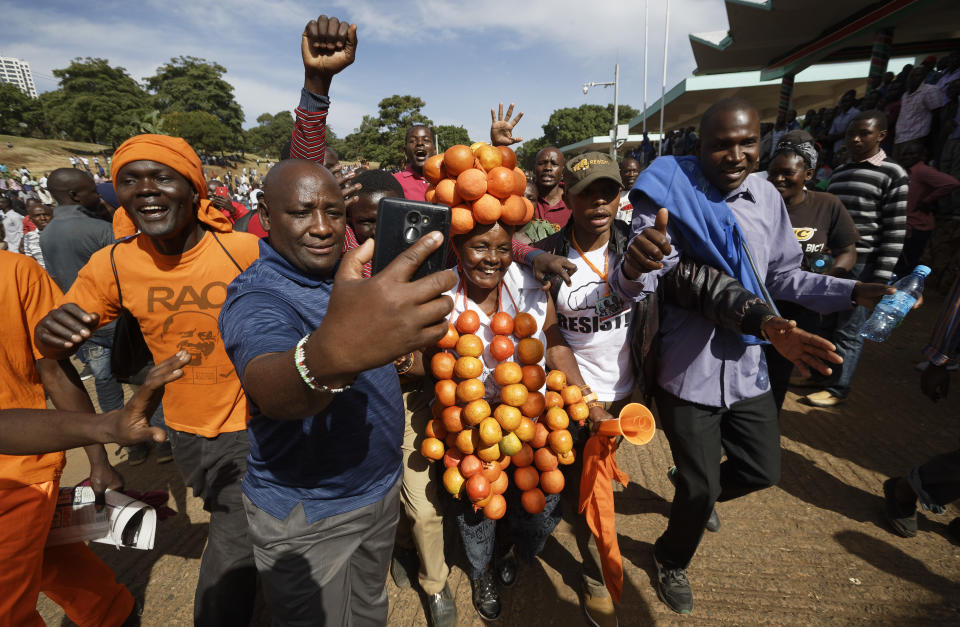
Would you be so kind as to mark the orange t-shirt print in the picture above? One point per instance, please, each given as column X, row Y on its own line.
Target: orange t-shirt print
column 177, row 299
column 27, row 294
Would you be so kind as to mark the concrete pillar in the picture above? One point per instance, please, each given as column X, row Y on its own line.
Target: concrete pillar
column 786, row 94
column 879, row 56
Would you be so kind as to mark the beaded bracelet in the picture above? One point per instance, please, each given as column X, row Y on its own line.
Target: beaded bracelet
column 592, row 396
column 596, row 404
column 300, row 361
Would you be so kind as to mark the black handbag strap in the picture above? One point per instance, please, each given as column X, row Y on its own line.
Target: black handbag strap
column 224, row 250
column 113, row 264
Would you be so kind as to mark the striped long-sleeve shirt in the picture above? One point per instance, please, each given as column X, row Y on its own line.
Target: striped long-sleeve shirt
column 944, row 343
column 875, row 194
column 309, row 141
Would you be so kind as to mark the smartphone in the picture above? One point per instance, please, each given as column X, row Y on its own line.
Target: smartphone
column 222, row 191
column 400, row 223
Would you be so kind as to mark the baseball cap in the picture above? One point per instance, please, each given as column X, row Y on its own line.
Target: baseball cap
column 584, row 169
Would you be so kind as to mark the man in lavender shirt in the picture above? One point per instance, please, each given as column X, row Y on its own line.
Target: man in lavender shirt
column 712, row 391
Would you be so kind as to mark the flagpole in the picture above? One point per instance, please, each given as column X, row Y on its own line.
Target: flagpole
column 663, row 85
column 646, row 35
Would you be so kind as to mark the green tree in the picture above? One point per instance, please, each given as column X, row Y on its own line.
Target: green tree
column 190, row 84
column 19, row 113
column 95, row 102
column 570, row 125
column 527, row 152
column 202, row 130
column 449, row 135
column 270, row 133
column 381, row 138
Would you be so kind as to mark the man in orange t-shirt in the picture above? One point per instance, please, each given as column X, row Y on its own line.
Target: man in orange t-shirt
column 69, row 574
column 173, row 276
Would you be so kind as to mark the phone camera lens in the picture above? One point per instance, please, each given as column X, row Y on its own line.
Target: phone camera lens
column 413, row 217
column 411, row 235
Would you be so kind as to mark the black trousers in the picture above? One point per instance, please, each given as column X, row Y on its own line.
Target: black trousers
column 748, row 431
column 937, row 481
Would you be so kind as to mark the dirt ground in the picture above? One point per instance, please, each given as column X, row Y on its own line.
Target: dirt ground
column 813, row 550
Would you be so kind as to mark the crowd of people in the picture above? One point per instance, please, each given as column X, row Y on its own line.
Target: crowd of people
column 698, row 281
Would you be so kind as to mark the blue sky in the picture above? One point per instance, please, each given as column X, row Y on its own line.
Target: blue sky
column 460, row 58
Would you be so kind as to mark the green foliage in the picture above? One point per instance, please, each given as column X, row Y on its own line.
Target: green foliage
column 151, row 122
column 527, row 152
column 271, row 132
column 19, row 113
column 450, row 135
column 381, row 138
column 570, row 125
column 189, row 84
column 202, row 130
column 95, row 102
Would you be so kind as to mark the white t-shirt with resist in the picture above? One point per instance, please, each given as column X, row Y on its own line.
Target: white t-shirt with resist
column 601, row 345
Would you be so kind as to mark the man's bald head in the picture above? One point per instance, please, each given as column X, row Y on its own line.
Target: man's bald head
column 286, row 174
column 71, row 186
column 723, row 107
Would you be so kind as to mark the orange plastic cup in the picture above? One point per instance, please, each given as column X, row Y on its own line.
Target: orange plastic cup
column 635, row 424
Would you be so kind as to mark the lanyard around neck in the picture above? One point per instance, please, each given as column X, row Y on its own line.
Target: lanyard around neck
column 606, row 260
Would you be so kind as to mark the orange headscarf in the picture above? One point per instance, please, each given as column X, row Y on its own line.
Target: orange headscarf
column 177, row 154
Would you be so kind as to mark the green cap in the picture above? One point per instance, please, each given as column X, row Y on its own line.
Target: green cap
column 584, row 169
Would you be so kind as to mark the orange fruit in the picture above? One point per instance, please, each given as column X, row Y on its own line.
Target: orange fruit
column 431, row 194
column 513, row 211
column 457, row 158
column 461, row 220
column 509, row 445
column 556, row 380
column 556, row 418
column 529, row 350
column 446, row 392
column 508, row 372
column 488, row 453
column 490, row 432
column 450, row 339
column 560, row 441
column 534, row 377
column 447, row 193
column 571, row 394
column 553, row 399
column 540, row 436
column 468, row 322
column 489, row 157
column 524, row 325
column 435, row 429
column 469, row 390
column 451, row 418
column 509, row 417
column 451, row 442
column 433, row 169
column 552, row 481
column 501, row 347
column 526, row 478
column 508, row 158
column 475, row 412
column 533, row 406
column 469, row 345
column 475, row 146
column 529, row 214
column 467, row 441
column 492, row 471
column 533, row 501
column 486, row 209
column 519, row 181
column 578, row 411
column 471, row 184
column 468, row 368
column 500, row 484
column 566, row 458
column 514, row 394
column 545, row 459
column 441, row 365
column 505, row 459
column 526, row 430
column 496, row 507
column 432, row 448
column 524, row 457
column 500, row 182
column 470, row 465
column 453, row 481
column 501, row 323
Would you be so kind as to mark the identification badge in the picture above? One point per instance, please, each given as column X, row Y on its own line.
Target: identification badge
column 608, row 306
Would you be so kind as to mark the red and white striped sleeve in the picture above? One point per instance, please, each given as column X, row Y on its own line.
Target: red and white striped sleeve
column 309, row 139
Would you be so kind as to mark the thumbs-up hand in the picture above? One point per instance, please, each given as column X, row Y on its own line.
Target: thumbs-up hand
column 648, row 248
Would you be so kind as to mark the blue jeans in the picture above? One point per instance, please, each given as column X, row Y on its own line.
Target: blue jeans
column 109, row 390
column 847, row 338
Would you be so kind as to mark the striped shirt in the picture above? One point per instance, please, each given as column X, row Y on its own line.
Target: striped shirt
column 944, row 343
column 875, row 194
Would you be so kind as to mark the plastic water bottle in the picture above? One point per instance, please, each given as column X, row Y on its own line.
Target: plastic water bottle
column 892, row 308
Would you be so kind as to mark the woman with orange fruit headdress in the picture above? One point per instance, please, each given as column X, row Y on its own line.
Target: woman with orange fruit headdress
column 504, row 329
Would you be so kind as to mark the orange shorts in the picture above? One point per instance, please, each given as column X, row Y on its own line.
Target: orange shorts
column 70, row 574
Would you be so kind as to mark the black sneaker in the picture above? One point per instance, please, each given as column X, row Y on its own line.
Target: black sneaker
column 137, row 454
column 903, row 523
column 443, row 611
column 713, row 523
column 486, row 597
column 164, row 452
column 86, row 373
column 404, row 567
column 507, row 569
column 673, row 588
